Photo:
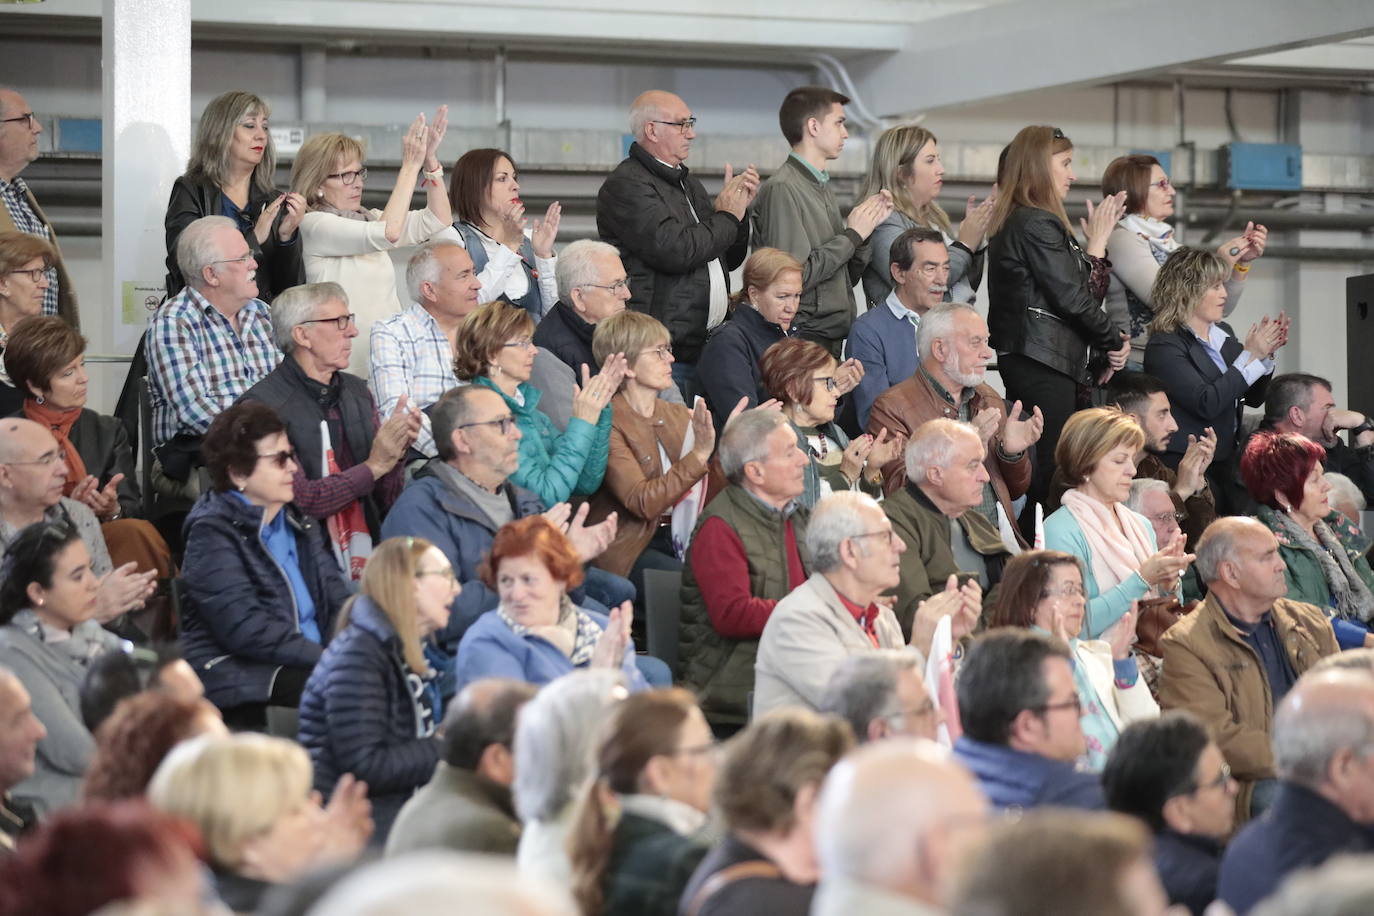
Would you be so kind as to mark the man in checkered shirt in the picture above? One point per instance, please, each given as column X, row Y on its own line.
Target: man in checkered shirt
column 210, row 343
column 19, row 130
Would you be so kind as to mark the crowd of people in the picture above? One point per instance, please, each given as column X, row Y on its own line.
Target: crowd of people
column 371, row 631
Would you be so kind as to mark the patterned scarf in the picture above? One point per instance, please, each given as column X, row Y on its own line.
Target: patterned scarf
column 1160, row 236
column 364, row 216
column 575, row 634
column 1353, row 600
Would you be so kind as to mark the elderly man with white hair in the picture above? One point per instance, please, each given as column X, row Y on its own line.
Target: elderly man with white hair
column 206, row 346
column 882, row 694
column 347, row 459
column 748, row 552
column 895, row 822
column 592, row 287
column 678, row 244
column 1324, row 754
column 934, row 513
column 839, row 611
column 949, row 382
column 1153, row 498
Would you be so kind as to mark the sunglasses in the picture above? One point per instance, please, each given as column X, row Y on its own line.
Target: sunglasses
column 280, row 458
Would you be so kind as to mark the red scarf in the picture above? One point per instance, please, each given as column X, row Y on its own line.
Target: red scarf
column 59, row 423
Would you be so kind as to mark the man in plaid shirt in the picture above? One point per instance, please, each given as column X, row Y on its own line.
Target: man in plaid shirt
column 210, row 343
column 19, row 211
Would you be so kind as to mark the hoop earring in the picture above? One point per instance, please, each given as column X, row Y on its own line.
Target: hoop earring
column 38, row 399
column 495, row 370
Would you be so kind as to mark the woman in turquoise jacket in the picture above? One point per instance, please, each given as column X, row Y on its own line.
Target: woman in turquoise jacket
column 495, row 349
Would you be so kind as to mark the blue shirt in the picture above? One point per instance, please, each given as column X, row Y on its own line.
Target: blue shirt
column 822, row 177
column 280, row 542
column 1250, row 369
column 1262, row 637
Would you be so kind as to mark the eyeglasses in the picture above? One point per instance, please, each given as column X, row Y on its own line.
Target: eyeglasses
column 615, row 287
column 524, row 343
column 349, row 178
column 239, row 260
column 828, row 380
column 1073, row 703
column 45, row 460
column 340, row 321
column 504, row 424
column 664, row 352
column 923, row 711
column 1192, row 787
column 27, row 117
column 1067, row 590
column 684, row 125
column 35, row 274
column 1163, row 184
column 445, row 573
column 1165, row 517
column 885, row 533
column 280, row 459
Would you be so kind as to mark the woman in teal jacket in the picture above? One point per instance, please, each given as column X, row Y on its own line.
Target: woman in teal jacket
column 495, row 349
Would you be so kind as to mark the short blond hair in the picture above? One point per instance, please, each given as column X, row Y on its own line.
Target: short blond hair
column 319, row 156
column 1180, row 284
column 627, row 332
column 232, row 787
column 1091, row 434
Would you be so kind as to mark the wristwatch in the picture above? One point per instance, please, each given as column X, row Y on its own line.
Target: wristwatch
column 1366, row 426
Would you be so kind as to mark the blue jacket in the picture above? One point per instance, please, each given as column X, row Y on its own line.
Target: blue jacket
column 1015, row 779
column 490, row 648
column 1300, row 830
column 729, row 365
column 239, row 624
column 1187, row 867
column 886, row 346
column 359, row 715
column 557, row 465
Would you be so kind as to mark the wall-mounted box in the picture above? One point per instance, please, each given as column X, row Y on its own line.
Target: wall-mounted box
column 1261, row 166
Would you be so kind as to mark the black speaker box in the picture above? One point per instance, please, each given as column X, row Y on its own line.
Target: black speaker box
column 1359, row 342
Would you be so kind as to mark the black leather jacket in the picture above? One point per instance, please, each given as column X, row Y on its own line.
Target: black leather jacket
column 1039, row 305
column 279, row 263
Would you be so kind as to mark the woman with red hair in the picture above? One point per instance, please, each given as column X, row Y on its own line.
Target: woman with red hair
column 536, row 633
column 1323, row 552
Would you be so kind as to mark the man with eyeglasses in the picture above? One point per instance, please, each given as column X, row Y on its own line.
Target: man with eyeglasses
column 677, row 243
column 839, row 611
column 1152, row 498
column 882, row 694
column 351, row 477
column 949, row 383
column 206, row 346
column 1019, row 710
column 1324, row 751
column 32, row 474
column 592, row 287
column 459, row 502
column 19, row 130
column 1145, row 398
column 884, row 337
column 1169, row 773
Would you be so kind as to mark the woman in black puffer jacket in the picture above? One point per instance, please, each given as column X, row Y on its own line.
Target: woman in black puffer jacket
column 372, row 704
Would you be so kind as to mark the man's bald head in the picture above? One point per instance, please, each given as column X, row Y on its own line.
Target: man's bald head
column 31, row 467
column 1238, row 558
column 654, row 120
column 896, row 814
column 15, row 432
column 480, row 717
column 1324, row 739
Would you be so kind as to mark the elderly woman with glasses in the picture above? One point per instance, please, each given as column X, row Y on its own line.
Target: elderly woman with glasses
column 1142, row 241
column 25, row 262
column 371, row 706
column 348, row 243
column 536, row 633
column 261, row 589
column 1043, row 590
column 495, row 349
column 230, row 174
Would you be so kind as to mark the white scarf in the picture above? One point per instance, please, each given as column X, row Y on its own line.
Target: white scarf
column 1117, row 538
column 1158, row 233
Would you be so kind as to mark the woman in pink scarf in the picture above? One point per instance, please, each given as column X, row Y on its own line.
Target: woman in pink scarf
column 1121, row 562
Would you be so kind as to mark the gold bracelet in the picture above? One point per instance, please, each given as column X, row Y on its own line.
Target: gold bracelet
column 1240, row 268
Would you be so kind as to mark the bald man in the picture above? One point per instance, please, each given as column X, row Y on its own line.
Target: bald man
column 1232, row 660
column 677, row 244
column 894, row 821
column 20, row 732
column 32, row 474
column 1324, row 754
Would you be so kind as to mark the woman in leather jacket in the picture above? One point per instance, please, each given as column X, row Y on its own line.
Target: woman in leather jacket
column 230, row 174
column 1046, row 289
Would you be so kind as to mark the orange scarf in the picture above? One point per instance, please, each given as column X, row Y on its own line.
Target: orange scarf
column 59, row 422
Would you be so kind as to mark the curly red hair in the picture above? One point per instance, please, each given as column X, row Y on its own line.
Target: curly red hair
column 131, row 743
column 538, row 537
column 1276, row 463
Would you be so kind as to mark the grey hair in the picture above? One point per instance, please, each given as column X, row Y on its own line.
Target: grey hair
column 1345, row 491
column 1360, row 659
column 1307, row 736
column 745, row 439
column 1341, row 886
column 577, row 267
column 554, row 739
column 297, row 305
column 1218, row 544
column 424, row 267
column 641, row 113
column 938, row 324
column 932, row 445
column 1139, row 487
column 835, row 519
column 451, row 411
column 864, row 687
column 196, row 248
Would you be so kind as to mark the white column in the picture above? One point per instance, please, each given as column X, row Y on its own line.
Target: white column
column 146, row 79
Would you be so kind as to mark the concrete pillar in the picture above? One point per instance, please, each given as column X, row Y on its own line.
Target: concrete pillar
column 146, row 95
column 313, row 60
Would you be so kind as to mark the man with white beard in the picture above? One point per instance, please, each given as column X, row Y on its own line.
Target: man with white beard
column 884, row 337
column 953, row 344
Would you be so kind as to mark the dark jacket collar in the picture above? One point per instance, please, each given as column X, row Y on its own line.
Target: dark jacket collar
column 1319, row 820
column 572, row 321
column 754, row 323
column 665, row 172
column 368, row 617
column 324, row 395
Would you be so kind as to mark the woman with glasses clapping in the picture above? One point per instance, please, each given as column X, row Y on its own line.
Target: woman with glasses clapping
column 347, row 243
column 371, row 706
column 261, row 588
